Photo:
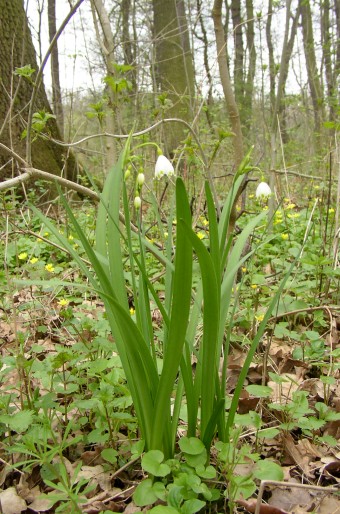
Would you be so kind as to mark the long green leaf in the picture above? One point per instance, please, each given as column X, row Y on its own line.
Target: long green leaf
column 211, row 312
column 180, row 309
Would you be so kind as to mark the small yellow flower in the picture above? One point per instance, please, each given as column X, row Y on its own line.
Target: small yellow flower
column 166, row 235
column 278, row 214
column 290, row 206
column 284, row 236
column 205, row 222
column 243, row 269
column 39, row 240
column 22, row 256
column 201, row 235
column 259, row 317
column 46, row 234
column 251, row 196
column 278, row 221
column 316, row 186
column 49, row 268
column 265, row 208
column 70, row 237
column 294, row 215
column 132, row 311
column 63, row 302
column 253, row 286
column 331, row 210
column 75, row 246
column 34, row 260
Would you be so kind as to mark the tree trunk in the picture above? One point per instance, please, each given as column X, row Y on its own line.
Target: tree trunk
column 107, row 47
column 229, row 96
column 312, row 70
column 249, row 86
column 238, row 52
column 327, row 51
column 56, row 90
column 272, row 66
column 174, row 66
column 128, row 46
column 16, row 51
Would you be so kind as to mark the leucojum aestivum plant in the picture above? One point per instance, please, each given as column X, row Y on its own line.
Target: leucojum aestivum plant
column 159, row 391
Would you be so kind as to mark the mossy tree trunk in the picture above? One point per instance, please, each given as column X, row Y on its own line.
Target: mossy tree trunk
column 17, row 50
column 174, row 67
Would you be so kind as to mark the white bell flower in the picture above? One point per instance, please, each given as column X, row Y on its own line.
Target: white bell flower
column 163, row 167
column 137, row 202
column 263, row 190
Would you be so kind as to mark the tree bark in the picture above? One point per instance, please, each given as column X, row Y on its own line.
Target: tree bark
column 238, row 52
column 174, row 66
column 249, row 86
column 272, row 67
column 327, row 51
column 229, row 96
column 128, row 46
column 56, row 89
column 107, row 47
column 312, row 70
column 16, row 51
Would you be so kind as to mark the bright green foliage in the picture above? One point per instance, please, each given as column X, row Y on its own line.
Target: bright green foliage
column 151, row 389
column 183, row 489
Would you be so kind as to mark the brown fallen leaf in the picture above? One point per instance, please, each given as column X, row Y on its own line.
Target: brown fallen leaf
column 42, row 503
column 298, row 454
column 10, row 502
column 264, row 509
column 291, row 498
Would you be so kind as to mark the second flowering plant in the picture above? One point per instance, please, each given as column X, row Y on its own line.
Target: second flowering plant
column 159, row 389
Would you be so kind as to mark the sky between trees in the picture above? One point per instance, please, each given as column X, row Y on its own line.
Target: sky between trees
column 78, row 47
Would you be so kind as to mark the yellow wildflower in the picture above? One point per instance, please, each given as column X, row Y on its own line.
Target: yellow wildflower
column 253, row 286
column 22, row 256
column 201, row 235
column 34, row 260
column 70, row 237
column 243, row 269
column 259, row 317
column 132, row 311
column 63, row 302
column 331, row 210
column 290, row 206
column 284, row 236
column 49, row 268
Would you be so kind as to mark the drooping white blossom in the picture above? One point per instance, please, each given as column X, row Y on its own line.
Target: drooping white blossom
column 137, row 202
column 263, row 190
column 163, row 167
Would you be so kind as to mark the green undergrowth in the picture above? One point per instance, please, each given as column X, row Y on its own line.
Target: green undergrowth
column 65, row 390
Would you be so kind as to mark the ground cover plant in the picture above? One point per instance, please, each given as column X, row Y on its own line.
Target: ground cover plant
column 170, row 365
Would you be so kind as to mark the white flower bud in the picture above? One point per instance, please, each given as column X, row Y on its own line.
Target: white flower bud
column 137, row 202
column 163, row 167
column 263, row 190
column 140, row 179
